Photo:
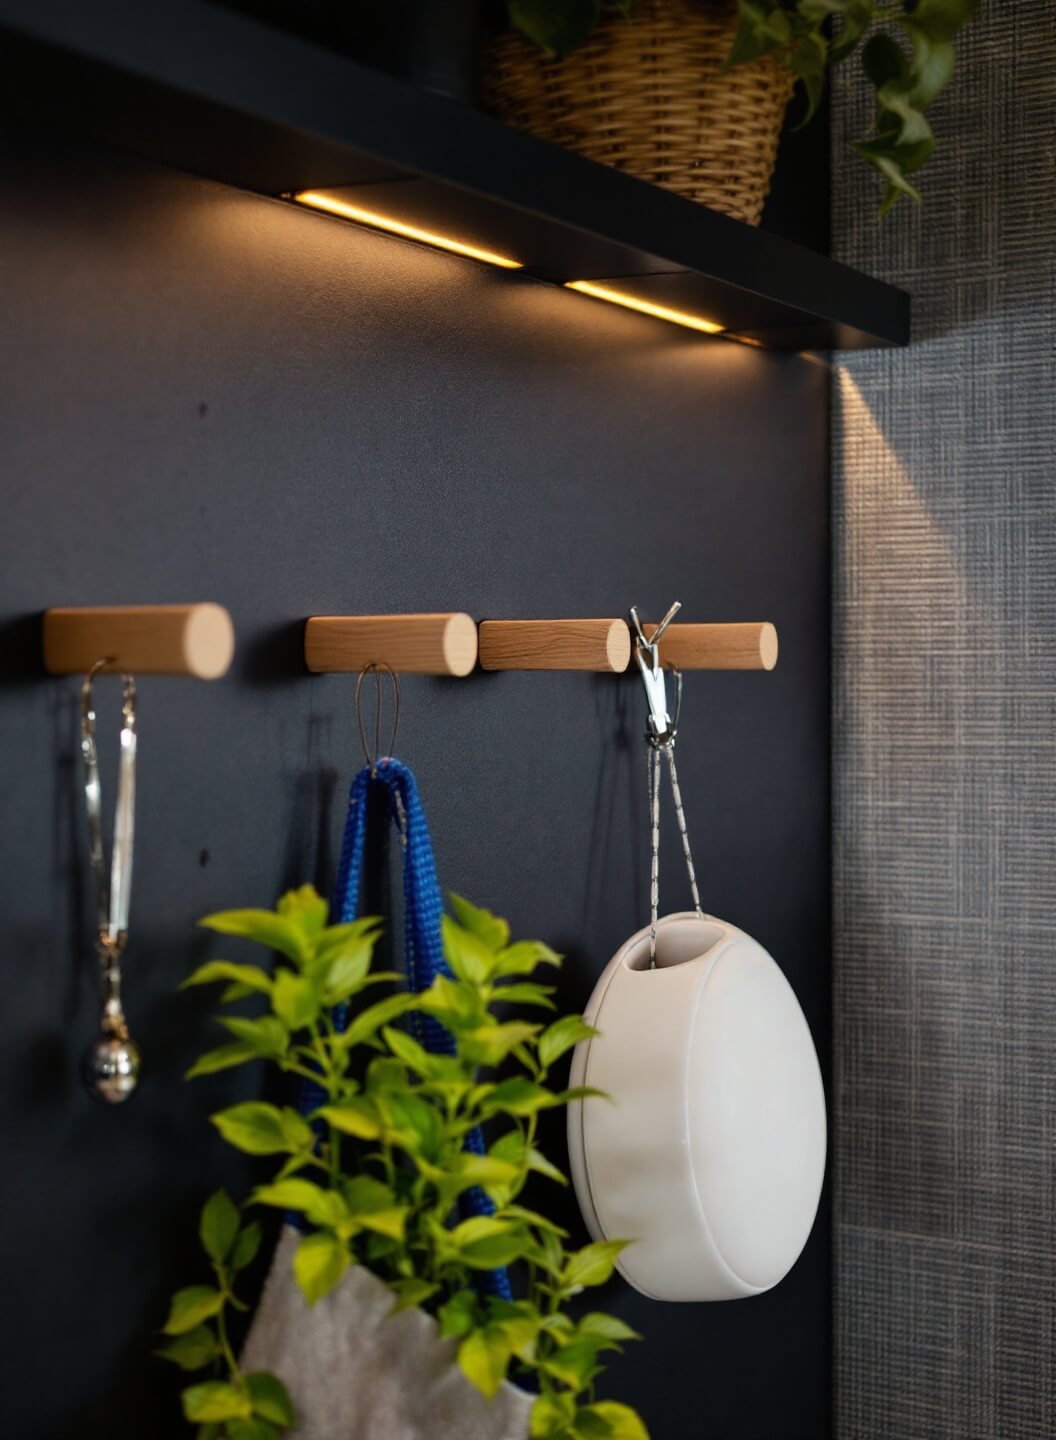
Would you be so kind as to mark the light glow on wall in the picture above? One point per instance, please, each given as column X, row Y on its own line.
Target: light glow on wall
column 646, row 307
column 319, row 200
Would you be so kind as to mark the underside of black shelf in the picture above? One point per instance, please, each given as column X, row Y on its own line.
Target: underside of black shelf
column 192, row 85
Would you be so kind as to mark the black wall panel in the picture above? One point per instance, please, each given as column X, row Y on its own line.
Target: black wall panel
column 206, row 395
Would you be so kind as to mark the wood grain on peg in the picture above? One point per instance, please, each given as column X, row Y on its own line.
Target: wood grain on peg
column 750, row 646
column 555, row 645
column 195, row 640
column 409, row 644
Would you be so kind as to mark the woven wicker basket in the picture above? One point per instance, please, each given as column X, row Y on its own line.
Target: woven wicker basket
column 650, row 97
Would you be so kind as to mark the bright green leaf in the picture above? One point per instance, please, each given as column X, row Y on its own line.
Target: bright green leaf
column 249, row 976
column 346, row 968
column 468, row 1170
column 190, row 1307
column 484, row 1357
column 218, row 1225
column 270, row 1398
column 592, row 1265
column 355, row 1117
column 295, row 999
column 369, row 1021
column 320, row 1262
column 304, row 908
column 411, row 1293
column 192, row 1350
column 518, row 1097
column 523, row 958
column 606, row 1327
column 216, row 1400
column 469, row 957
column 336, row 937
column 266, row 1035
column 295, row 1127
column 561, row 1036
column 321, row 1206
column 574, row 1364
column 373, row 1205
column 533, row 1218
column 452, row 1002
column 552, row 1415
column 620, row 1422
column 255, row 1429
column 223, row 1058
column 526, row 993
column 264, row 927
column 407, row 1049
column 494, row 931
column 411, row 1121
column 484, row 1243
column 254, row 1127
column 459, row 1315
column 246, row 1246
column 491, row 1044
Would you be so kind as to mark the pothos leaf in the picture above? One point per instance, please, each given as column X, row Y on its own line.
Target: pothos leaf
column 216, row 1400
column 218, row 1225
column 318, row 1265
column 271, row 1400
column 252, row 977
column 190, row 1307
column 491, row 929
column 941, row 19
column 608, row 1420
column 265, row 927
column 192, row 1350
column 592, row 1265
column 484, row 1358
column 557, row 29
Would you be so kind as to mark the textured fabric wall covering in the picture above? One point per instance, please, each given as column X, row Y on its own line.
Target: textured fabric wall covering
column 945, row 775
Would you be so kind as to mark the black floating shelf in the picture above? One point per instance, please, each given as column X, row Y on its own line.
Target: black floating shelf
column 190, row 84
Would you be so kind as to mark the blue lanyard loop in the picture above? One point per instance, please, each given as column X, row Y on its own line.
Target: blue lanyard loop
column 423, row 937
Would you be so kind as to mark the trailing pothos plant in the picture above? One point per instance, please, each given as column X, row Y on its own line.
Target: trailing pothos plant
column 376, row 1169
column 906, row 49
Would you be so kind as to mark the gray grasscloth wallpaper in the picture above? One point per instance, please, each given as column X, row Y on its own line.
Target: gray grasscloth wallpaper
column 945, row 774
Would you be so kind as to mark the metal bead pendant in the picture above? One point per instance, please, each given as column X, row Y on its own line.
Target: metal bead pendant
column 111, row 1065
column 111, row 1069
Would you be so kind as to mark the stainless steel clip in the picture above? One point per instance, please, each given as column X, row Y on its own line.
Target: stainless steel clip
column 662, row 727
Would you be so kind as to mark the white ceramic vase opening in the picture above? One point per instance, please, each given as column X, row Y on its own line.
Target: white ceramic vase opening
column 711, row 1154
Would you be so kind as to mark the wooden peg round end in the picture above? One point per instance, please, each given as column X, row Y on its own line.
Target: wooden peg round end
column 768, row 646
column 196, row 640
column 618, row 646
column 208, row 641
column 460, row 643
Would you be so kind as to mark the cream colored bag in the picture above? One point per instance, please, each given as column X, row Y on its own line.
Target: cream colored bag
column 356, row 1372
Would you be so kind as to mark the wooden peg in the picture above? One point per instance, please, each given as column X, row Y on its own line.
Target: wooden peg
column 409, row 644
column 196, row 640
column 718, row 647
column 555, row 645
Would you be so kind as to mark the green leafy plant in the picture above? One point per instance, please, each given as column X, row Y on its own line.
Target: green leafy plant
column 906, row 49
column 377, row 1169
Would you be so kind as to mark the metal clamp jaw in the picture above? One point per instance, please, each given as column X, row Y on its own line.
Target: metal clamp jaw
column 662, row 728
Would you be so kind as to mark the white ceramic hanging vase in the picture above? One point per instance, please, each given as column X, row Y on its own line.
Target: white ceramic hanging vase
column 711, row 1154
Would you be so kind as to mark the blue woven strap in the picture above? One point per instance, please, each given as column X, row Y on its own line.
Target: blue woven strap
column 423, row 936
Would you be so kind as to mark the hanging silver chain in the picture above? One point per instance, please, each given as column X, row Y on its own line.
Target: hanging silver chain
column 660, row 734
column 654, row 767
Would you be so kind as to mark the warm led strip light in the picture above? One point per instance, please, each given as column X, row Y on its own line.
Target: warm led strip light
column 318, row 201
column 631, row 302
